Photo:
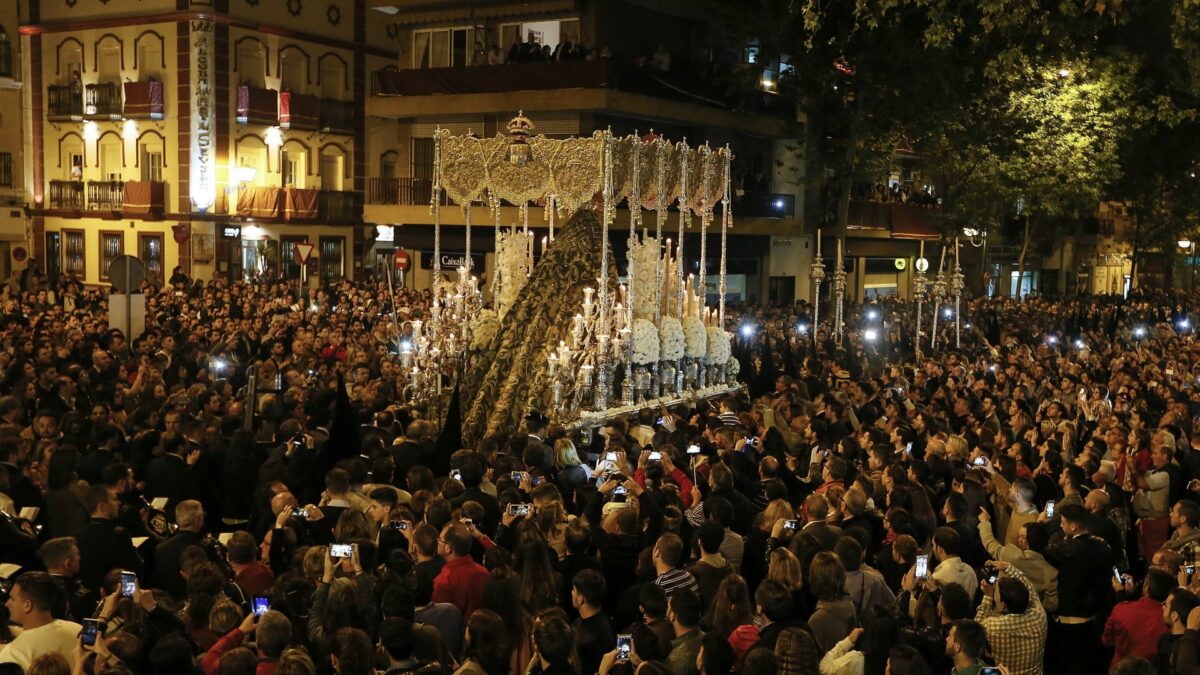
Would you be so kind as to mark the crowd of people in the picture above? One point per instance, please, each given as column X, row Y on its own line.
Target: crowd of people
column 1026, row 501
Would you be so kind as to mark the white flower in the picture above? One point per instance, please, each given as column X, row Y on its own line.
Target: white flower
column 732, row 369
column 645, row 342
column 670, row 338
column 718, row 347
column 483, row 329
column 697, row 341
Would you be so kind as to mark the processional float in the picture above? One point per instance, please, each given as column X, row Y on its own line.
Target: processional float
column 564, row 336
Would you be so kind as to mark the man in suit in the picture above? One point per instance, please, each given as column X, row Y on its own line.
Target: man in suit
column 1083, row 561
column 171, row 475
column 189, row 516
column 103, row 545
column 816, row 535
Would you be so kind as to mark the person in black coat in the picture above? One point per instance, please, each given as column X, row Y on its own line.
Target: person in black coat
column 103, row 546
column 189, row 516
column 171, row 475
column 816, row 535
column 1084, row 564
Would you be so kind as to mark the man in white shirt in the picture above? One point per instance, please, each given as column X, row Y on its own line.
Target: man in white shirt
column 951, row 569
column 33, row 596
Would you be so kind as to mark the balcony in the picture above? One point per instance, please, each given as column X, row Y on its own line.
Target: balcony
column 66, row 195
column 402, row 191
column 489, row 79
column 337, row 116
column 64, row 103
column 904, row 221
column 257, row 106
column 296, row 111
column 105, row 195
column 144, row 100
column 340, row 207
column 102, row 101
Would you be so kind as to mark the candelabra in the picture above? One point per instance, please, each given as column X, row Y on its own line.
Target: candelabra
column 839, row 291
column 920, row 284
column 939, row 293
column 956, row 287
column 817, row 274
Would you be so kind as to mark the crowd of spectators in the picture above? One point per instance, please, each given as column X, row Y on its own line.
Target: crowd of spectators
column 1026, row 501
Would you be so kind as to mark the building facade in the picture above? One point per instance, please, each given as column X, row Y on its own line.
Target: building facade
column 212, row 135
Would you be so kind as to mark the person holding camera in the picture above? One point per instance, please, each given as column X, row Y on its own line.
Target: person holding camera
column 1013, row 617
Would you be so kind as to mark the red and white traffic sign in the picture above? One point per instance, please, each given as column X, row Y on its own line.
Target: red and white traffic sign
column 303, row 251
column 401, row 259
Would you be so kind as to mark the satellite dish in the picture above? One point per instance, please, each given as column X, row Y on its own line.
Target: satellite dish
column 126, row 273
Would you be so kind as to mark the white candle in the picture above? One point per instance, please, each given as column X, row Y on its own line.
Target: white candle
column 818, row 242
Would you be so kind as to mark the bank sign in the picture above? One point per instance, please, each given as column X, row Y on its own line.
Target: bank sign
column 453, row 260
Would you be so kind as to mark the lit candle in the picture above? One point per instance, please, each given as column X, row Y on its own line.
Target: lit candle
column 544, row 241
column 553, row 359
column 922, row 254
column 818, row 242
column 956, row 253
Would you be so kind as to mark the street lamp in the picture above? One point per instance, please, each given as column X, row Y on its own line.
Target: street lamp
column 1190, row 247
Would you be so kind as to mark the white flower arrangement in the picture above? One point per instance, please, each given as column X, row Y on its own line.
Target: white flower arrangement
column 483, row 329
column 718, row 347
column 695, row 337
column 645, row 342
column 671, row 339
column 644, row 254
column 732, row 368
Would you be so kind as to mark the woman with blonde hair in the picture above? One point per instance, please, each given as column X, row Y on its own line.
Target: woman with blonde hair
column 783, row 566
column 731, row 616
column 754, row 561
column 571, row 472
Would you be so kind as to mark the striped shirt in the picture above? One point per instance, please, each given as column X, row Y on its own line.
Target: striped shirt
column 677, row 580
column 729, row 419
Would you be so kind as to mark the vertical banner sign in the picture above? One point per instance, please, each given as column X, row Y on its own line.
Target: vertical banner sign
column 203, row 170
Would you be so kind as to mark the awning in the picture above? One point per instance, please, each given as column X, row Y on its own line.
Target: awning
column 913, row 222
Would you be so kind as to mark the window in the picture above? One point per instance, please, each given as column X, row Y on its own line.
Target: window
column 251, row 64
column 331, row 258
column 112, row 246
column 442, row 47
column 74, row 254
column 333, row 79
column 331, row 171
column 150, row 250
column 152, row 163
column 293, row 169
column 6, row 170
column 149, row 56
column 110, row 63
column 294, row 71
column 53, row 254
column 422, row 158
column 287, row 255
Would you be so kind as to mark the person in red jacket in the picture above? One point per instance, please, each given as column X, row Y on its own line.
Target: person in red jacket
column 1135, row 626
column 461, row 580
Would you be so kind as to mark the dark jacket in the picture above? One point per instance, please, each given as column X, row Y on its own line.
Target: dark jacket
column 166, row 562
column 812, row 539
column 1084, row 564
column 103, row 547
column 170, row 476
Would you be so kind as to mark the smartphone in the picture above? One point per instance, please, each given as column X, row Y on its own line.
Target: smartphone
column 299, row 513
column 456, row 475
column 922, row 566
column 537, row 480
column 1117, row 575
column 398, row 525
column 659, row 422
column 908, row 449
column 624, row 644
column 1191, row 569
column 518, row 477
column 610, row 457
column 993, row 576
column 988, row 670
column 518, row 509
column 261, row 604
column 980, row 461
column 466, row 521
column 128, row 584
column 1050, row 509
column 655, row 457
column 91, row 631
column 693, row 450
column 791, row 525
column 341, row 551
